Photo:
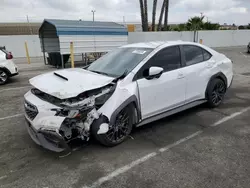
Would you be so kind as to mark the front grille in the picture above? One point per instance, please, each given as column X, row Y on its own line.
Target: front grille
column 30, row 110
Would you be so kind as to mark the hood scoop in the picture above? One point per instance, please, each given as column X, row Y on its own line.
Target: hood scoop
column 68, row 83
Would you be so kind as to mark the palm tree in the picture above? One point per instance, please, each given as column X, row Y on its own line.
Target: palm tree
column 146, row 14
column 142, row 15
column 154, row 14
column 161, row 15
column 195, row 23
column 166, row 15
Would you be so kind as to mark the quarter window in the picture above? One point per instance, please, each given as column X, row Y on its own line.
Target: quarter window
column 193, row 54
column 206, row 55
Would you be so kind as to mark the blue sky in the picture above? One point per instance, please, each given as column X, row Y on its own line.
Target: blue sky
column 222, row 11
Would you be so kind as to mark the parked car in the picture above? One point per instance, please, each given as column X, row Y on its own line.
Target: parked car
column 248, row 47
column 128, row 87
column 7, row 66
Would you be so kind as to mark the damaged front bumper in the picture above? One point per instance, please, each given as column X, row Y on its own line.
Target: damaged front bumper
column 49, row 139
column 49, row 128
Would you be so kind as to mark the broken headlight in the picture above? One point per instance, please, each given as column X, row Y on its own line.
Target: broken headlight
column 69, row 113
column 100, row 100
column 72, row 113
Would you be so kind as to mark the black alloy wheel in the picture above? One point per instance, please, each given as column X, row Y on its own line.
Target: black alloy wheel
column 121, row 129
column 118, row 131
column 216, row 92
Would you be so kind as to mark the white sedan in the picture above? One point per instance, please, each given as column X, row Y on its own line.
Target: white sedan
column 130, row 86
column 7, row 66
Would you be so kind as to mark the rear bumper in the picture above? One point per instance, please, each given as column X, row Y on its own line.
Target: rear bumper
column 48, row 139
column 231, row 82
column 15, row 74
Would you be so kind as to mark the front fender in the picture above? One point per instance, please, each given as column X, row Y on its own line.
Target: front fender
column 122, row 96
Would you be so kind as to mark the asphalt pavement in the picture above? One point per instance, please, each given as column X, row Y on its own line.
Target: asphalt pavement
column 197, row 148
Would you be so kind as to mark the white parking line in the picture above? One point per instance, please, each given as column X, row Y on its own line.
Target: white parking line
column 33, row 73
column 37, row 73
column 14, row 88
column 230, row 117
column 127, row 167
column 244, row 54
column 9, row 117
column 180, row 141
column 3, row 177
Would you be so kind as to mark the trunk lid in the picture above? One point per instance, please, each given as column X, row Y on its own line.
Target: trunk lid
column 69, row 83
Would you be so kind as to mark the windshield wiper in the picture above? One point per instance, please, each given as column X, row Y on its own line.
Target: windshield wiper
column 98, row 72
column 122, row 76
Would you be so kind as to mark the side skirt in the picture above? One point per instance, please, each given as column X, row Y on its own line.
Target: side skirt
column 170, row 112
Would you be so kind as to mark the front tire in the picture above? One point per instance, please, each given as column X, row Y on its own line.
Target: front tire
column 4, row 77
column 216, row 92
column 118, row 132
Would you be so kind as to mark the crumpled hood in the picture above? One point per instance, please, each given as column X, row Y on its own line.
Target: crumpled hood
column 71, row 83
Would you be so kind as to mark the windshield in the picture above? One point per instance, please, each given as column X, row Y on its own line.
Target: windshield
column 119, row 61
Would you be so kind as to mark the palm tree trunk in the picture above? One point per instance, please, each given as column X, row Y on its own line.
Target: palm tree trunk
column 142, row 15
column 154, row 14
column 146, row 14
column 161, row 15
column 166, row 15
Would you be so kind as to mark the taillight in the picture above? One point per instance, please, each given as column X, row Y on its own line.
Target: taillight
column 9, row 56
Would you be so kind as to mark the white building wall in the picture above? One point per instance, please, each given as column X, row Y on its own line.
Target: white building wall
column 210, row 38
column 159, row 36
column 15, row 44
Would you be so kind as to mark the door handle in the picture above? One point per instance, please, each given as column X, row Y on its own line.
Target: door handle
column 180, row 76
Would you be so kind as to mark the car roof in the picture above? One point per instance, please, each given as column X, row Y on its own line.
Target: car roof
column 155, row 44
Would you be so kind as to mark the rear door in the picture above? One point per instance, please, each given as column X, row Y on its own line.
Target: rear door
column 198, row 71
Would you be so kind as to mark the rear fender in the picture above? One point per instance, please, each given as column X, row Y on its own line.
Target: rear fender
column 6, row 70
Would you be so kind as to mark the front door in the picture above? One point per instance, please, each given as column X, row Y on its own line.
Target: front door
column 166, row 92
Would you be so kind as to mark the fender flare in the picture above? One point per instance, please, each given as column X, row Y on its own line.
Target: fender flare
column 219, row 75
column 131, row 100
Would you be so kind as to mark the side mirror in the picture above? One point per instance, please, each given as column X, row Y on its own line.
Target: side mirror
column 153, row 72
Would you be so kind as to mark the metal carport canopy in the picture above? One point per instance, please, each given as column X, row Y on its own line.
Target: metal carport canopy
column 87, row 36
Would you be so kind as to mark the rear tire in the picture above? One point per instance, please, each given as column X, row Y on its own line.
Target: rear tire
column 4, row 77
column 216, row 92
column 118, row 132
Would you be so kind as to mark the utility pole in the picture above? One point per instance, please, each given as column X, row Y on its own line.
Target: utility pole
column 29, row 25
column 93, row 11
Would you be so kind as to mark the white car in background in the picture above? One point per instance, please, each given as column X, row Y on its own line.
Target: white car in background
column 7, row 66
column 130, row 86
